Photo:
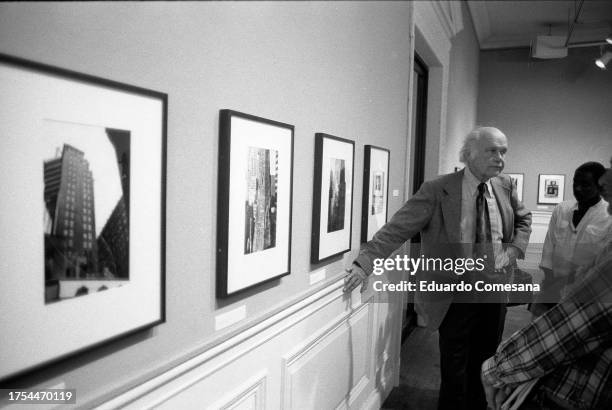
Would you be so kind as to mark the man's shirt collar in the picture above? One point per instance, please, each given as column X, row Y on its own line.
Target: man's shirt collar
column 472, row 183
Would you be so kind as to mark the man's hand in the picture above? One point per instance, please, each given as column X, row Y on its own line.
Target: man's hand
column 501, row 395
column 489, row 392
column 513, row 254
column 355, row 276
column 495, row 397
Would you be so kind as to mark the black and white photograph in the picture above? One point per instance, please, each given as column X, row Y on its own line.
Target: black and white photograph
column 245, row 204
column 378, row 196
column 551, row 189
column 83, row 159
column 254, row 201
column 332, row 206
column 337, row 195
column 86, row 225
column 375, row 201
column 260, row 204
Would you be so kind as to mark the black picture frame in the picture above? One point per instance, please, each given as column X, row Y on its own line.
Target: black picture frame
column 254, row 205
column 72, row 134
column 332, row 210
column 375, row 202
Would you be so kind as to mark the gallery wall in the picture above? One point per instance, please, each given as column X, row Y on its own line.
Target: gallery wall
column 451, row 54
column 462, row 91
column 556, row 113
column 339, row 68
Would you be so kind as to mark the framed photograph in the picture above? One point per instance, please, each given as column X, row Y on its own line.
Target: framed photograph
column 254, row 201
column 83, row 216
column 517, row 180
column 375, row 191
column 550, row 189
column 332, row 209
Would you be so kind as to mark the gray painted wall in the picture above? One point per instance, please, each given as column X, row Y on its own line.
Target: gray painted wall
column 339, row 68
column 462, row 91
column 557, row 114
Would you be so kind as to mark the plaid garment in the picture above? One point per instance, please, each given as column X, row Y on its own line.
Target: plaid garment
column 569, row 347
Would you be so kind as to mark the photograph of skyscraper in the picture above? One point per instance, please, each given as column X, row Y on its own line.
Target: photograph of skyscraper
column 261, row 196
column 337, row 195
column 86, row 198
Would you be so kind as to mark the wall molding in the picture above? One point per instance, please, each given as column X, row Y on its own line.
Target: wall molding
column 480, row 18
column 449, row 16
column 299, row 356
column 172, row 382
column 254, row 387
column 433, row 44
column 541, row 216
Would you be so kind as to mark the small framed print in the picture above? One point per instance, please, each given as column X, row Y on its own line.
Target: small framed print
column 83, row 222
column 550, row 189
column 517, row 181
column 375, row 191
column 254, row 201
column 332, row 208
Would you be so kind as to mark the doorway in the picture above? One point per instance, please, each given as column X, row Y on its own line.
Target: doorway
column 418, row 135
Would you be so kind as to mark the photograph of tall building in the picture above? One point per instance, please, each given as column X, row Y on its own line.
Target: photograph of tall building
column 86, row 221
column 260, row 204
column 70, row 245
column 378, row 192
column 337, row 195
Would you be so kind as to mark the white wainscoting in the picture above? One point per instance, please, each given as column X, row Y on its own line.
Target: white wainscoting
column 251, row 395
column 310, row 378
column 328, row 351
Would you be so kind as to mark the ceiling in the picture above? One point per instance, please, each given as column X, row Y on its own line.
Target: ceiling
column 508, row 24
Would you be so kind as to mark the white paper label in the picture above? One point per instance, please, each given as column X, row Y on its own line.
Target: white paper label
column 318, row 276
column 229, row 318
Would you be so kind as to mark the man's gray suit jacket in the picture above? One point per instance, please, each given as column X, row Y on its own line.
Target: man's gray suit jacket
column 435, row 212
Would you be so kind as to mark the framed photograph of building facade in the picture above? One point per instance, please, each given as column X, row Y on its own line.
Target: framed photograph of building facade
column 517, row 180
column 332, row 208
column 375, row 191
column 254, row 201
column 84, row 161
column 550, row 189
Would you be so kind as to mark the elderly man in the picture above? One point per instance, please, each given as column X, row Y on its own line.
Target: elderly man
column 476, row 205
column 567, row 350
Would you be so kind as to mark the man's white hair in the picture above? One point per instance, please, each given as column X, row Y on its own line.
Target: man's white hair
column 467, row 150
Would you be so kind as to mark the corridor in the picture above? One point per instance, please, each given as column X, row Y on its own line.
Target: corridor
column 420, row 368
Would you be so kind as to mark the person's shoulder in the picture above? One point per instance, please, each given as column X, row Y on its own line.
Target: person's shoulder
column 442, row 183
column 567, row 205
column 446, row 178
column 502, row 180
column 602, row 209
